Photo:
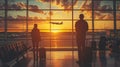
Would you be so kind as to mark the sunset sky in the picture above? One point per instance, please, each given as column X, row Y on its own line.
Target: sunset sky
column 40, row 10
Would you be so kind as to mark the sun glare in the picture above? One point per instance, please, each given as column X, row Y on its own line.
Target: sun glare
column 55, row 31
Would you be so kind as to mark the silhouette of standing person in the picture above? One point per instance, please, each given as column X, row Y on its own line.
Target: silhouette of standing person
column 35, row 34
column 81, row 27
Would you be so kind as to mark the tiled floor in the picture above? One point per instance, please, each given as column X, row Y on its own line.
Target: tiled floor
column 69, row 58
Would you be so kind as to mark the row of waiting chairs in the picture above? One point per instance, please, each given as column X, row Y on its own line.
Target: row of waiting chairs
column 12, row 51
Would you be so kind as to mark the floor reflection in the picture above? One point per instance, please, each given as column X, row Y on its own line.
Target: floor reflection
column 69, row 58
column 102, row 58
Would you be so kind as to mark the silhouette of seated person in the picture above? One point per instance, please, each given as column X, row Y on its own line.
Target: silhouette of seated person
column 116, row 44
column 81, row 28
column 102, row 43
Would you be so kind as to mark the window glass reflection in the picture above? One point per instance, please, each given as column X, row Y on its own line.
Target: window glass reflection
column 62, row 4
column 2, row 2
column 19, row 26
column 44, row 15
column 103, row 15
column 83, row 5
column 44, row 26
column 118, row 24
column 87, row 14
column 2, row 17
column 17, row 4
column 61, row 15
column 39, row 5
column 16, row 15
column 117, row 15
column 118, row 5
column 103, row 25
column 103, row 5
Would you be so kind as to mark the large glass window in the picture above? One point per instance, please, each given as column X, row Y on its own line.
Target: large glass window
column 118, row 19
column 56, row 20
column 16, row 20
column 16, row 15
column 39, row 4
column 2, row 2
column 118, row 5
column 82, row 5
column 2, row 17
column 17, row 4
column 103, row 5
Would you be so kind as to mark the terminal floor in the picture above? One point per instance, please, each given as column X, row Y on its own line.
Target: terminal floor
column 69, row 58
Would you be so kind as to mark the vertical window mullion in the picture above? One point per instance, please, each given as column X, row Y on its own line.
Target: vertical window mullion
column 92, row 20
column 5, row 19
column 72, row 35
column 114, row 13
column 27, row 15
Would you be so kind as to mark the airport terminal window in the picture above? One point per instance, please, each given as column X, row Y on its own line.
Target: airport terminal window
column 16, row 23
column 2, row 17
column 118, row 5
column 2, row 2
column 16, row 26
column 2, row 13
column 45, row 12
column 118, row 23
column 118, row 15
column 65, row 5
column 33, row 7
column 64, row 15
column 103, row 5
column 103, row 25
column 103, row 15
column 16, row 15
column 16, row 4
column 55, row 16
column 39, row 5
column 82, row 5
column 87, row 14
column 118, row 19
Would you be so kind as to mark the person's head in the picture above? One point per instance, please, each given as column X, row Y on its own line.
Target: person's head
column 81, row 16
column 35, row 25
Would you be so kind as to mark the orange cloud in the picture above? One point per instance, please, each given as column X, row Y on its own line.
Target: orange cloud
column 66, row 4
column 21, row 5
column 35, row 8
column 97, row 14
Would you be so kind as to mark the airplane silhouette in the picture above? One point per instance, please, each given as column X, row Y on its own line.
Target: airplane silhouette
column 57, row 23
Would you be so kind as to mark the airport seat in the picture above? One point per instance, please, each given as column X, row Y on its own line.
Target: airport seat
column 12, row 51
